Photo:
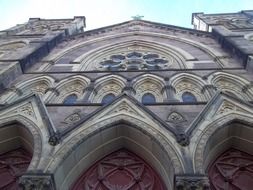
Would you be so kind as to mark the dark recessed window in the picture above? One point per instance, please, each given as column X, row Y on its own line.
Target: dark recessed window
column 71, row 99
column 188, row 97
column 108, row 98
column 148, row 98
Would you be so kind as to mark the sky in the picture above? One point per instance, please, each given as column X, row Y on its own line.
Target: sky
column 101, row 13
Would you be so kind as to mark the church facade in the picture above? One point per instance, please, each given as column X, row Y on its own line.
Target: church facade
column 133, row 106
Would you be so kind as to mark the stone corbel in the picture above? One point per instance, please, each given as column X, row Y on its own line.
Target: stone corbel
column 192, row 182
column 37, row 182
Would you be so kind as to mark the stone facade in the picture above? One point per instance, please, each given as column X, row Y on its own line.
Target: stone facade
column 176, row 97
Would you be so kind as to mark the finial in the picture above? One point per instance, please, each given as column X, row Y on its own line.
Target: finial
column 137, row 17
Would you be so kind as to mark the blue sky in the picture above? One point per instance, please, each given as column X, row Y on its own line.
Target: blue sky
column 100, row 13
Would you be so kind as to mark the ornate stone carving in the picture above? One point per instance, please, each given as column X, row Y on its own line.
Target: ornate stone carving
column 183, row 139
column 26, row 109
column 229, row 107
column 72, row 118
column 175, row 117
column 120, row 170
column 124, row 107
column 13, row 164
column 37, row 181
column 134, row 60
column 192, row 182
column 232, row 170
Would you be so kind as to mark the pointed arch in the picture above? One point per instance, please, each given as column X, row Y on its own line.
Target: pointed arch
column 101, row 136
column 230, row 130
column 172, row 54
column 38, row 85
column 149, row 83
column 71, row 85
column 233, row 84
column 30, row 136
column 112, row 84
column 210, row 51
column 187, row 82
column 120, row 169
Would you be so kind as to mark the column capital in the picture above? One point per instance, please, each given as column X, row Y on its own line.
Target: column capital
column 192, row 182
column 37, row 181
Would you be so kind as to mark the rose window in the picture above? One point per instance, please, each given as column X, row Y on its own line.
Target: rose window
column 134, row 61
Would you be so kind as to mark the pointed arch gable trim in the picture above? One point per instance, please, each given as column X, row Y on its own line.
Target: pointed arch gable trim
column 212, row 52
column 210, row 129
column 86, row 132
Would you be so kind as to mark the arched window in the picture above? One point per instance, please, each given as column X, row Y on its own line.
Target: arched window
column 71, row 99
column 148, row 98
column 188, row 97
column 108, row 98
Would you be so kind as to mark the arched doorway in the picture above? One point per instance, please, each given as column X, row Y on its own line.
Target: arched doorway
column 119, row 170
column 16, row 147
column 232, row 170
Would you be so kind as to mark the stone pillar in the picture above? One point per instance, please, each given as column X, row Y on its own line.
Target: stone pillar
column 170, row 91
column 192, row 182
column 88, row 91
column 38, row 181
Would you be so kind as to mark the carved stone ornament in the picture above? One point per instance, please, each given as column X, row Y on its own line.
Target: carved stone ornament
column 228, row 107
column 192, row 182
column 26, row 109
column 71, row 119
column 175, row 117
column 36, row 181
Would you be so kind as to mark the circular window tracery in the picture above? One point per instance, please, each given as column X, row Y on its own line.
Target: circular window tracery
column 134, row 61
column 120, row 170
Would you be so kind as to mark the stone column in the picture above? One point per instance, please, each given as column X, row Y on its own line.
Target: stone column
column 192, row 182
column 170, row 91
column 39, row 181
column 88, row 90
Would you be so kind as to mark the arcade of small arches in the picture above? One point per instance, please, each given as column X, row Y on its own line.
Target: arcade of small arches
column 146, row 88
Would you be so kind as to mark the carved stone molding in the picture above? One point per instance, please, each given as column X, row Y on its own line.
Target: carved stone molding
column 37, row 181
column 192, row 182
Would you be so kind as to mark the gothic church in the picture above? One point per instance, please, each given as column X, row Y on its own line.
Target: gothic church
column 137, row 105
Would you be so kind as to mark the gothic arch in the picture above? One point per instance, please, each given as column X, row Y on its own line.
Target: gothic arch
column 232, row 130
column 149, row 83
column 112, row 84
column 233, row 84
column 38, row 85
column 210, row 51
column 97, row 139
column 35, row 134
column 70, row 85
column 173, row 55
column 186, row 82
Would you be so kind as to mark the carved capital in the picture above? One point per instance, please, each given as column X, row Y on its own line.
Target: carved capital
column 37, row 181
column 192, row 182
column 168, row 87
column 54, row 139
